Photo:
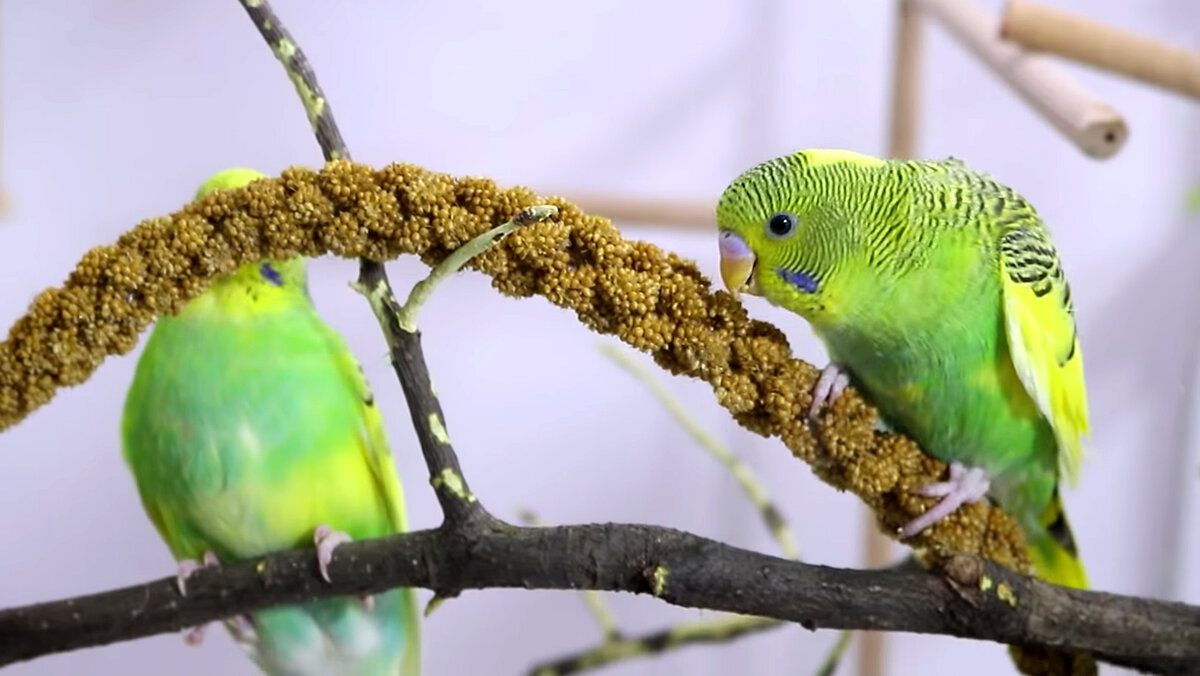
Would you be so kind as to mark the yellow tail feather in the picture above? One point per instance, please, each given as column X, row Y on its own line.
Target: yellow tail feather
column 1053, row 550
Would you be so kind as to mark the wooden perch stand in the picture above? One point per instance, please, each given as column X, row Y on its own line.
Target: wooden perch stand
column 624, row 209
column 1097, row 129
column 1036, row 26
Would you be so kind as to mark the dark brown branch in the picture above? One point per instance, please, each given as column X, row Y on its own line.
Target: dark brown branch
column 971, row 598
column 404, row 342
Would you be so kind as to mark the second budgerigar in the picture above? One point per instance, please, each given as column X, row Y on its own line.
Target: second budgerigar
column 249, row 428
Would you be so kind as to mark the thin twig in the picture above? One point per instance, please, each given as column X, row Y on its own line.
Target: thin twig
column 683, row 634
column 834, row 658
column 299, row 70
column 454, row 262
column 459, row 505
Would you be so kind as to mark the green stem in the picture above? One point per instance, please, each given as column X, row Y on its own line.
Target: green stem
column 683, row 634
column 834, row 658
column 461, row 256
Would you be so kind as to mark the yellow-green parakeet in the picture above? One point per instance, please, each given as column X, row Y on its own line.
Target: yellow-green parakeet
column 938, row 293
column 249, row 428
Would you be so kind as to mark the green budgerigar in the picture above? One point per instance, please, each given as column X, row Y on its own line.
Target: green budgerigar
column 250, row 428
column 938, row 293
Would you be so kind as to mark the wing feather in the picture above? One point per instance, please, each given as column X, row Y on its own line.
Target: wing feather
column 1042, row 338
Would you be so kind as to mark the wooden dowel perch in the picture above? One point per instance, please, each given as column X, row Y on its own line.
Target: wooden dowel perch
column 4, row 200
column 904, row 124
column 1097, row 129
column 906, row 82
column 1040, row 27
column 678, row 214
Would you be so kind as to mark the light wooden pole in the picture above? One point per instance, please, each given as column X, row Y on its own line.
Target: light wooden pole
column 903, row 126
column 5, row 204
column 1092, row 125
column 670, row 213
column 1040, row 27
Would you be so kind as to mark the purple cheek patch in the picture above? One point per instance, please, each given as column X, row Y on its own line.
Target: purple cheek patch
column 801, row 280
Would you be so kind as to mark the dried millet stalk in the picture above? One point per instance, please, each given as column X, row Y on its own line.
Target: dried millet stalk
column 652, row 300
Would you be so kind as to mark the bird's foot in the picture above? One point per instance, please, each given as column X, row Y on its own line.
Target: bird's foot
column 833, row 381
column 189, row 566
column 327, row 539
column 243, row 628
column 966, row 485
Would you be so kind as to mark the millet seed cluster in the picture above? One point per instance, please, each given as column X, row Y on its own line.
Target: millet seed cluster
column 651, row 299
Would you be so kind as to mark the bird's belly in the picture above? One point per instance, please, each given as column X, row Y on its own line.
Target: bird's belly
column 967, row 415
column 247, row 489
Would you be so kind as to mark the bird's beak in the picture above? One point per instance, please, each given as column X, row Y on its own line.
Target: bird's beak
column 737, row 265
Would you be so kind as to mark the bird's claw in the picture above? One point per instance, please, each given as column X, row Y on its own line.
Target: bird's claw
column 830, row 385
column 327, row 539
column 194, row 636
column 965, row 486
column 189, row 566
column 243, row 629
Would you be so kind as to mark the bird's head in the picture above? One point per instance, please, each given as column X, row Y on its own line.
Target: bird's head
column 786, row 230
column 265, row 279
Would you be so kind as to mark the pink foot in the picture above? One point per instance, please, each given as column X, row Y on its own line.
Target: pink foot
column 966, row 485
column 327, row 540
column 194, row 636
column 833, row 381
column 189, row 566
column 243, row 629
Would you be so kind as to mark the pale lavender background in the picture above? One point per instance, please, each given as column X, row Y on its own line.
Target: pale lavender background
column 114, row 111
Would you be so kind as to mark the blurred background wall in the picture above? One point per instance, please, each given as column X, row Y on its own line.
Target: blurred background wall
column 115, row 110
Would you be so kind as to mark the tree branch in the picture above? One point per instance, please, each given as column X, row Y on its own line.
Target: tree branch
column 970, row 598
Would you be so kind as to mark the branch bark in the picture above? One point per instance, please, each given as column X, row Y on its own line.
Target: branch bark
column 969, row 598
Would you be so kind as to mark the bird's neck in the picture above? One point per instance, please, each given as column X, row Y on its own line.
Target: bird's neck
column 238, row 300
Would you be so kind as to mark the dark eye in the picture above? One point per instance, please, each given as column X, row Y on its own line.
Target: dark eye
column 781, row 225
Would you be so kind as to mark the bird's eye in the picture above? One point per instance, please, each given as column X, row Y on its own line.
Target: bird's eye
column 781, row 225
